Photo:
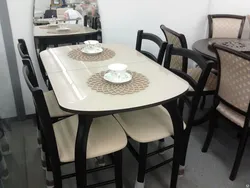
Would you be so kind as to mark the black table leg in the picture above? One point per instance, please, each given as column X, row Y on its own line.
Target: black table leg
column 81, row 150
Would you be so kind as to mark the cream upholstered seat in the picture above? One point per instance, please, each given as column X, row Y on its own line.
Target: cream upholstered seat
column 53, row 106
column 147, row 125
column 230, row 114
column 211, row 81
column 105, row 136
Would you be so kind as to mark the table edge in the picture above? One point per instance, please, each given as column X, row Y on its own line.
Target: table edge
column 108, row 112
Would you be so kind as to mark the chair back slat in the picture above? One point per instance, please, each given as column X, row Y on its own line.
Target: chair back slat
column 225, row 26
column 198, row 86
column 179, row 41
column 22, row 49
column 234, row 77
column 43, row 113
column 153, row 38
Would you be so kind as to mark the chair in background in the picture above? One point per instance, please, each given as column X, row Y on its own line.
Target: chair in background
column 181, row 63
column 60, row 12
column 94, row 23
column 50, row 14
column 225, row 26
column 156, row 123
column 60, row 138
column 232, row 97
column 89, row 21
column 153, row 38
column 24, row 53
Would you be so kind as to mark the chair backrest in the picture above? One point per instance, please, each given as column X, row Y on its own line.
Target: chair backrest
column 50, row 13
column 225, row 25
column 233, row 88
column 22, row 48
column 33, row 79
column 153, row 38
column 179, row 41
column 60, row 12
column 89, row 21
column 198, row 86
column 43, row 113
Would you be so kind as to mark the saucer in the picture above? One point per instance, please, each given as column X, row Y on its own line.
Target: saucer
column 108, row 77
column 63, row 29
column 93, row 51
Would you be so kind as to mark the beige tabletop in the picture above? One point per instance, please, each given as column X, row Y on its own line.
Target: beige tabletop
column 41, row 31
column 47, row 20
column 69, row 81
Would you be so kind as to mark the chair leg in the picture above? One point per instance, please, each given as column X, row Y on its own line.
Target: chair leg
column 210, row 132
column 175, row 167
column 181, row 107
column 118, row 169
column 142, row 165
column 240, row 152
column 203, row 102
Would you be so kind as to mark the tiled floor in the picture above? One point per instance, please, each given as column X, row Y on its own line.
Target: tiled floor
column 209, row 170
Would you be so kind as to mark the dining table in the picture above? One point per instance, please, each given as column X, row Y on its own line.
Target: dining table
column 45, row 21
column 46, row 35
column 78, row 84
column 204, row 46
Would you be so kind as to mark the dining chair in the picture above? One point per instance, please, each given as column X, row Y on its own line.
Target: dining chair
column 60, row 138
column 232, row 97
column 24, row 53
column 50, row 14
column 155, row 39
column 225, row 26
column 181, row 63
column 159, row 122
column 94, row 23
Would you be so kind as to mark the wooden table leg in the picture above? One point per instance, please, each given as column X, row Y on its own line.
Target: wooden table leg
column 81, row 150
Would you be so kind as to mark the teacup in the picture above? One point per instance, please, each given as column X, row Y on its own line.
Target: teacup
column 118, row 70
column 91, row 44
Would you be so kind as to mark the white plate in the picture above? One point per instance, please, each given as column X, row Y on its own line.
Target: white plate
column 108, row 77
column 93, row 51
column 63, row 29
column 53, row 25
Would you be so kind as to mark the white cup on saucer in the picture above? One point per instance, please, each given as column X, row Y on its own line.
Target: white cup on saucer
column 118, row 70
column 91, row 44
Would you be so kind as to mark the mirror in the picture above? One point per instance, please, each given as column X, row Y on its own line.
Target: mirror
column 67, row 10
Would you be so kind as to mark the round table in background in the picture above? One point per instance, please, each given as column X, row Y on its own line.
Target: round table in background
column 202, row 47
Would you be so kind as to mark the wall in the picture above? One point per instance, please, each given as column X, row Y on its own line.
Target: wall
column 122, row 19
column 42, row 5
column 21, row 17
column 7, row 104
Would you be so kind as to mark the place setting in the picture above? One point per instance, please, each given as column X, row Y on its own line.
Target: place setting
column 92, row 50
column 118, row 80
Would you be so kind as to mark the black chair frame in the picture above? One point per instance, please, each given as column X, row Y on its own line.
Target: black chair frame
column 211, row 17
column 181, row 136
column 213, row 115
column 183, row 41
column 154, row 38
column 49, row 141
column 206, row 67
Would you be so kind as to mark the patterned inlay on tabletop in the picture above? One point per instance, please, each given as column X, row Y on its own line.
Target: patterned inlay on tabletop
column 78, row 55
column 138, row 83
column 235, row 44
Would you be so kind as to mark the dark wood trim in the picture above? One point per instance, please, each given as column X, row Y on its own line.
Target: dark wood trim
column 211, row 17
column 183, row 41
column 154, row 38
